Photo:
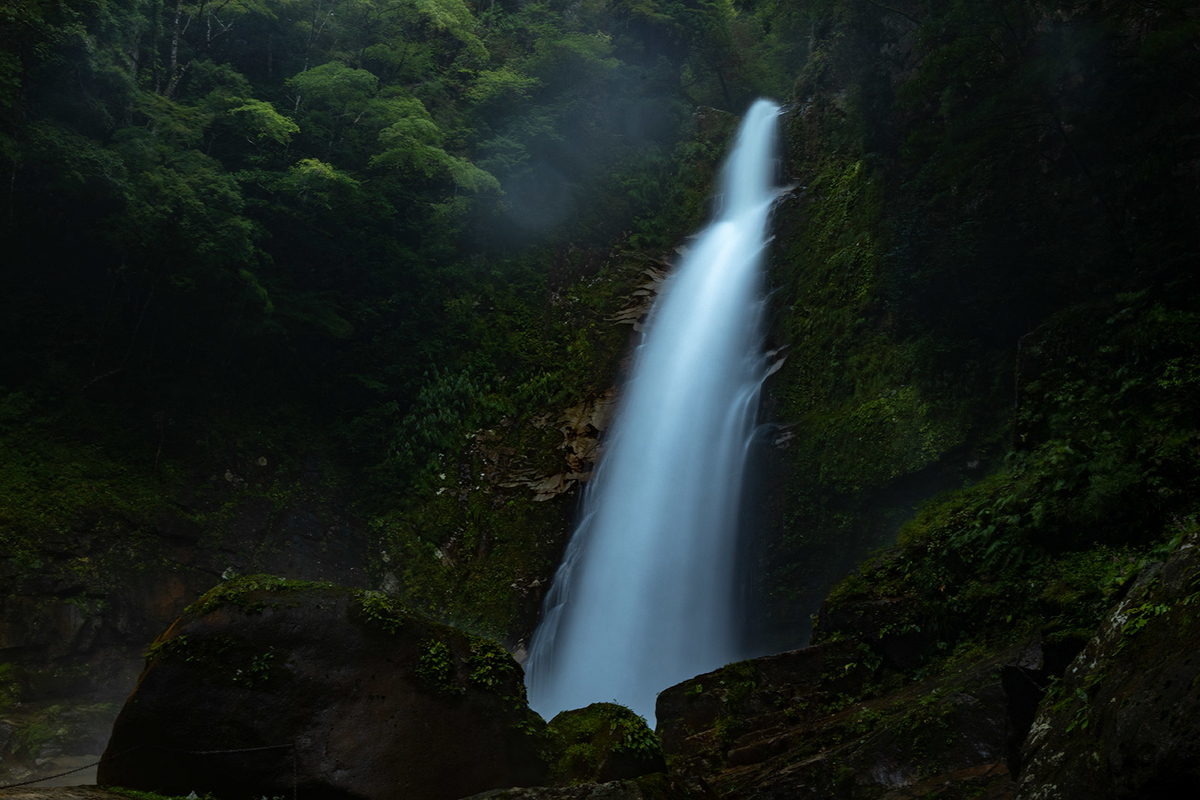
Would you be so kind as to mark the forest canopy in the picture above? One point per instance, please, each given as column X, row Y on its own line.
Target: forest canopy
column 284, row 200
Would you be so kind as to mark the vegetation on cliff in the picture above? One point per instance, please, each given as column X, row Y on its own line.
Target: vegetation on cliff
column 990, row 284
column 345, row 234
column 378, row 255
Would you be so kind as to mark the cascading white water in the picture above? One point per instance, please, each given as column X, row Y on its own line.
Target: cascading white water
column 645, row 595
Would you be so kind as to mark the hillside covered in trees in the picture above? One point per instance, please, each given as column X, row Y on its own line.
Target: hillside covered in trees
column 344, row 290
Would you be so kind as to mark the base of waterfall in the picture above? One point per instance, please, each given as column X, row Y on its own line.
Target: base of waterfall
column 375, row 701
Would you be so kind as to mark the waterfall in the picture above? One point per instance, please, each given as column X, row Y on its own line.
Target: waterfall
column 645, row 596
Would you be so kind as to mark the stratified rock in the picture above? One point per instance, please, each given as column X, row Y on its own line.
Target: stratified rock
column 817, row 723
column 266, row 687
column 1126, row 722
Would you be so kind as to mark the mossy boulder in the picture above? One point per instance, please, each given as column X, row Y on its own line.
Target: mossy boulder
column 267, row 687
column 91, row 578
column 1125, row 721
column 603, row 742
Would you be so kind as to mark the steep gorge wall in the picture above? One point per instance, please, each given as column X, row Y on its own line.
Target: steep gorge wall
column 975, row 189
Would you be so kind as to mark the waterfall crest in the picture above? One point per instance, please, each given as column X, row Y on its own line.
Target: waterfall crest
column 645, row 595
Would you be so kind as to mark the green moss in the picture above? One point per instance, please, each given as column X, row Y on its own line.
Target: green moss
column 31, row 736
column 579, row 763
column 868, row 442
column 435, row 668
column 583, row 739
column 1052, row 536
column 10, row 686
column 727, row 729
column 1009, row 555
column 489, row 664
column 469, row 555
column 925, row 262
column 224, row 659
column 736, row 682
column 383, row 612
column 242, row 593
column 51, row 482
column 862, row 417
column 60, row 481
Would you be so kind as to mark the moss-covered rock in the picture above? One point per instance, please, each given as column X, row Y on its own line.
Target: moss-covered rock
column 94, row 576
column 603, row 742
column 833, row 721
column 1123, row 720
column 266, row 687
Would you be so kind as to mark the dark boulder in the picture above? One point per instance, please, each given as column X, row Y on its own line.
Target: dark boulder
column 82, row 604
column 266, row 687
column 1125, row 722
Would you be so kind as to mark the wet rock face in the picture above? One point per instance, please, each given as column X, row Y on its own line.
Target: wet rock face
column 1126, row 723
column 327, row 691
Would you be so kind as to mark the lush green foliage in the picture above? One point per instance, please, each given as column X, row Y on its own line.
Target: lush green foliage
column 1102, row 479
column 290, row 198
column 352, row 232
column 392, row 232
column 993, row 208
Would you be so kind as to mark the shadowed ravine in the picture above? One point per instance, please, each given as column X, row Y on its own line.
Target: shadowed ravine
column 645, row 595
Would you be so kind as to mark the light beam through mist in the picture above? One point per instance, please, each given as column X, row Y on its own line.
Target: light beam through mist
column 645, row 595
